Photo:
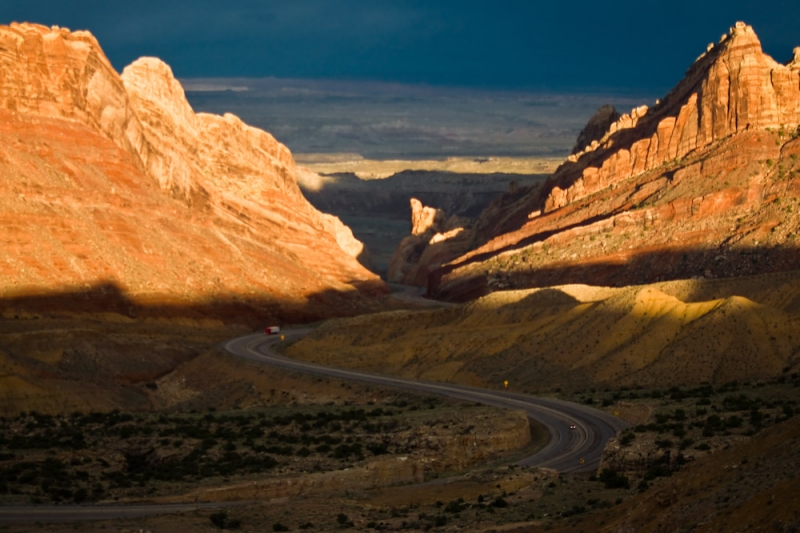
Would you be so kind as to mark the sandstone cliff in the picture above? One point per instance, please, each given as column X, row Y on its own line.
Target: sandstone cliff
column 435, row 239
column 703, row 184
column 114, row 180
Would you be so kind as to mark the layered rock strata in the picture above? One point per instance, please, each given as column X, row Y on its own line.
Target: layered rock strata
column 114, row 180
column 702, row 184
column 435, row 239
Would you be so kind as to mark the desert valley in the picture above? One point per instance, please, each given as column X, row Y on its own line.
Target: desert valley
column 597, row 330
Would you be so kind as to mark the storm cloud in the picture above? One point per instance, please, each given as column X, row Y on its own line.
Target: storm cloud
column 578, row 45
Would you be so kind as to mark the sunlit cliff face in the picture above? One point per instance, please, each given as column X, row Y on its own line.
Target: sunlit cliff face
column 116, row 180
column 705, row 183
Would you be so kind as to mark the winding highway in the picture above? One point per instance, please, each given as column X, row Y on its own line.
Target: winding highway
column 569, row 449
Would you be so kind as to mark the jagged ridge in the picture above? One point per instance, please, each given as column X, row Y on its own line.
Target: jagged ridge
column 87, row 156
column 696, row 176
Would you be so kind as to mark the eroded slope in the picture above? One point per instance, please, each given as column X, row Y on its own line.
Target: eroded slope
column 113, row 181
column 575, row 337
column 705, row 183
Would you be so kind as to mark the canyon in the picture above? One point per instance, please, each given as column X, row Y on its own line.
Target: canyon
column 378, row 208
column 662, row 254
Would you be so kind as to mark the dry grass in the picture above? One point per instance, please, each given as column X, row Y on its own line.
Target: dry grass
column 571, row 337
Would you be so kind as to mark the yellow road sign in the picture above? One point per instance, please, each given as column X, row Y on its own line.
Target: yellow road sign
column 505, row 383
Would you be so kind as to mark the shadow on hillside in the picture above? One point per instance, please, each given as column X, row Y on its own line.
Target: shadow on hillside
column 549, row 298
column 109, row 297
column 569, row 172
column 635, row 267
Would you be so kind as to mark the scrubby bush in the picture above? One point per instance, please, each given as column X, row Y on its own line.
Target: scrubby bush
column 613, row 480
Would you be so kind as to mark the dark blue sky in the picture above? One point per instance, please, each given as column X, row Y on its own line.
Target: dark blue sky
column 577, row 45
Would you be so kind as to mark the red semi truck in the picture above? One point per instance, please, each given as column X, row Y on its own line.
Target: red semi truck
column 272, row 330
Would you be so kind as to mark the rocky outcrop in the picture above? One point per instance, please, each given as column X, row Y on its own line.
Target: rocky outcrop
column 120, row 182
column 450, row 452
column 425, row 219
column 434, row 240
column 378, row 473
column 376, row 206
column 685, row 188
column 56, row 73
column 731, row 88
column 596, row 128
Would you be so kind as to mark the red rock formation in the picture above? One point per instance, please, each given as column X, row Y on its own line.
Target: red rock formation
column 695, row 175
column 435, row 239
column 114, row 179
column 424, row 219
column 596, row 129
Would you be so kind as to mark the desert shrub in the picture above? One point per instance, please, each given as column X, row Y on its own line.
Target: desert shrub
column 576, row 509
column 343, row 520
column 676, row 393
column 499, row 502
column 344, row 451
column 613, row 480
column 733, row 422
column 455, row 506
column 658, row 470
column 377, row 448
column 662, row 418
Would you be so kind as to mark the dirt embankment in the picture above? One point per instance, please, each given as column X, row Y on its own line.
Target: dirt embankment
column 577, row 337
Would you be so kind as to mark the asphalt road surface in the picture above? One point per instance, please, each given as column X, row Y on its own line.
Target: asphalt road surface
column 569, row 449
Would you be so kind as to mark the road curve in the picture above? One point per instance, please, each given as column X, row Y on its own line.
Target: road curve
column 568, row 450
